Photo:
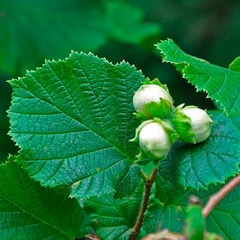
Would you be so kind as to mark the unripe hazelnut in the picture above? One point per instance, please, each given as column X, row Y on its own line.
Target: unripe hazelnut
column 192, row 124
column 156, row 139
column 151, row 94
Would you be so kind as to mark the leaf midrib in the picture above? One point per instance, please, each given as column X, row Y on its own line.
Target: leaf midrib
column 72, row 117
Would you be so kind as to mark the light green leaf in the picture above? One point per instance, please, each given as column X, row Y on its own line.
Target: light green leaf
column 213, row 161
column 29, row 211
column 194, row 221
column 235, row 65
column 218, row 82
column 73, row 119
column 113, row 219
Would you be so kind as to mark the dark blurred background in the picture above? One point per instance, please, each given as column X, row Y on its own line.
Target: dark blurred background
column 34, row 30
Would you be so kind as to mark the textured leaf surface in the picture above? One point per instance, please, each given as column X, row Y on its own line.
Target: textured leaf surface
column 29, row 211
column 169, row 213
column 32, row 31
column 73, row 119
column 225, row 218
column 212, row 161
column 168, row 203
column 218, row 82
column 113, row 219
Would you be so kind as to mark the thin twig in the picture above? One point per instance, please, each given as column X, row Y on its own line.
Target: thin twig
column 217, row 197
column 148, row 185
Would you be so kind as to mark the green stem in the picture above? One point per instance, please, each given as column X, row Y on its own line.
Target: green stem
column 138, row 224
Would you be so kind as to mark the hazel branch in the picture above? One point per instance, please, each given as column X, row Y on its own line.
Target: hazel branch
column 138, row 224
column 217, row 197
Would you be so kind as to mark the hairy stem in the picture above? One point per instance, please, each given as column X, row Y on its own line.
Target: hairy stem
column 217, row 197
column 138, row 224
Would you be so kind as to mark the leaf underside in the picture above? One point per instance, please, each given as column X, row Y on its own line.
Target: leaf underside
column 72, row 120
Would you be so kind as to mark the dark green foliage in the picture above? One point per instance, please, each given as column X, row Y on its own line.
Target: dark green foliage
column 76, row 171
column 29, row 211
column 73, row 120
column 32, row 31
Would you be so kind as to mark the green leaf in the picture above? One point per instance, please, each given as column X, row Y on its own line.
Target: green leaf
column 73, row 119
column 29, row 211
column 129, row 182
column 111, row 218
column 170, row 213
column 32, row 31
column 168, row 202
column 126, row 23
column 194, row 223
column 213, row 161
column 235, row 65
column 225, row 218
column 218, row 82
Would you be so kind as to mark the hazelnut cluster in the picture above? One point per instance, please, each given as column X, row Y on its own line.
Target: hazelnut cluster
column 163, row 124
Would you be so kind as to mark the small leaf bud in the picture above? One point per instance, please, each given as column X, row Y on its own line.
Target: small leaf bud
column 192, row 124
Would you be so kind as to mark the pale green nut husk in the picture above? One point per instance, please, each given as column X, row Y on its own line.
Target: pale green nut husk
column 192, row 124
column 149, row 93
column 155, row 140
